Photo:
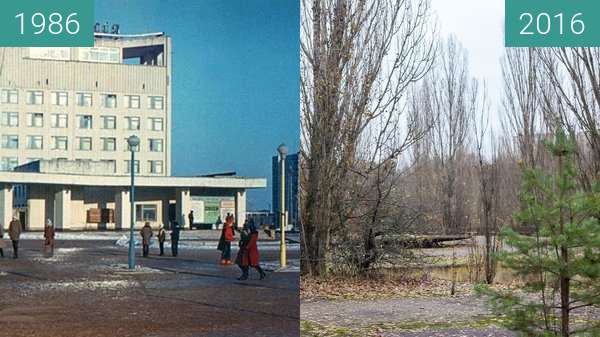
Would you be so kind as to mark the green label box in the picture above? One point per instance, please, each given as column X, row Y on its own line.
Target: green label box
column 47, row 23
column 552, row 23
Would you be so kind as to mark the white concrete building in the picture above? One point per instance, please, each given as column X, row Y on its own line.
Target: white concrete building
column 82, row 103
column 65, row 116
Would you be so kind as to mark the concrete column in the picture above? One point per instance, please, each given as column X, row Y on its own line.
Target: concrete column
column 36, row 210
column 62, row 209
column 240, row 208
column 165, row 212
column 183, row 206
column 122, row 209
column 6, row 205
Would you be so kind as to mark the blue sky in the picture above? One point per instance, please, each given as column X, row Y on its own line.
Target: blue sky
column 235, row 80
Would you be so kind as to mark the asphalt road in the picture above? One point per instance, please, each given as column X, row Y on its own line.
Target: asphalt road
column 85, row 290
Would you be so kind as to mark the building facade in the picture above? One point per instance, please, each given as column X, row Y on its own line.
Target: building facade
column 292, row 169
column 81, row 104
column 65, row 117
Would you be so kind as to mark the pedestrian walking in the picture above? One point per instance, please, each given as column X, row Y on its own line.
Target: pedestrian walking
column 49, row 238
column 2, row 244
column 162, row 235
column 248, row 254
column 227, row 236
column 146, row 234
column 14, row 232
column 175, row 238
column 191, row 219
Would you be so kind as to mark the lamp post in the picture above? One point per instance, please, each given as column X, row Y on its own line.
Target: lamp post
column 133, row 142
column 282, row 149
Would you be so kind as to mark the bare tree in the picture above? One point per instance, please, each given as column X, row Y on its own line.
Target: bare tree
column 488, row 172
column 453, row 100
column 521, row 68
column 357, row 60
column 574, row 75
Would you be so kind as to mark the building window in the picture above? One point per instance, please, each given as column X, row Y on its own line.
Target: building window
column 85, row 143
column 35, row 119
column 145, row 213
column 35, row 97
column 85, row 121
column 35, row 142
column 9, row 96
column 109, row 122
column 156, row 166
column 60, row 120
column 128, row 148
column 110, row 163
column 155, row 124
column 132, row 101
column 133, row 123
column 60, row 98
column 10, row 141
column 109, row 101
column 136, row 166
column 84, row 99
column 156, row 102
column 10, row 119
column 156, row 145
column 60, row 143
column 109, row 144
column 9, row 163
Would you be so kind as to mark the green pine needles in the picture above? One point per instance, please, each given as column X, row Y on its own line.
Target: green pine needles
column 559, row 263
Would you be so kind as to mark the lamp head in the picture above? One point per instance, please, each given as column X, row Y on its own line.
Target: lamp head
column 133, row 141
column 283, row 150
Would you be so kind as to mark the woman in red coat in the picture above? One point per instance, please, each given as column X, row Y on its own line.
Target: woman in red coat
column 248, row 254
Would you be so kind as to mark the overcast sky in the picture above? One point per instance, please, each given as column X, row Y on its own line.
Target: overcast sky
column 478, row 25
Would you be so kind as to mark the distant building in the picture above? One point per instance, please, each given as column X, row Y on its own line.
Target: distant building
column 292, row 169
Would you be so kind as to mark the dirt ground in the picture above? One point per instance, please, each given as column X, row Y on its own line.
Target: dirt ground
column 86, row 290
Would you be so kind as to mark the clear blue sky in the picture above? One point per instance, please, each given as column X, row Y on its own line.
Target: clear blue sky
column 235, row 80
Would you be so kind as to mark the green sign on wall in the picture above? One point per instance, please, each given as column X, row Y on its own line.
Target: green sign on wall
column 47, row 23
column 552, row 23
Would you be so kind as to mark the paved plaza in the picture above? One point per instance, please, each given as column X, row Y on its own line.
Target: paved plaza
column 85, row 289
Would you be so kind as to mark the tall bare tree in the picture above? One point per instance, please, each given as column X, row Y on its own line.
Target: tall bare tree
column 574, row 74
column 453, row 100
column 357, row 60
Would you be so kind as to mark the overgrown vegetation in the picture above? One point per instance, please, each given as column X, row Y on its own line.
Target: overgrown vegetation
column 560, row 261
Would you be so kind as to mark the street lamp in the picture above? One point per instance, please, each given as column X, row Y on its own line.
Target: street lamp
column 133, row 142
column 282, row 149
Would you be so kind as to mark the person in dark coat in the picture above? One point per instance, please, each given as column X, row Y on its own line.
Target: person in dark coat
column 146, row 234
column 248, row 254
column 227, row 235
column 175, row 238
column 14, row 232
column 191, row 219
column 49, row 238
column 1, row 240
column 162, row 236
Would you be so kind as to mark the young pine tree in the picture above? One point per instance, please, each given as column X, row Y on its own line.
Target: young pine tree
column 560, row 263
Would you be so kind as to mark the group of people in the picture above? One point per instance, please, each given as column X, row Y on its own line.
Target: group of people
column 247, row 255
column 14, row 234
column 147, row 234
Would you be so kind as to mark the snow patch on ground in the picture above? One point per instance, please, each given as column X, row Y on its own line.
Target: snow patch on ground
column 60, row 255
column 87, row 285
column 123, row 241
column 293, row 266
column 124, row 268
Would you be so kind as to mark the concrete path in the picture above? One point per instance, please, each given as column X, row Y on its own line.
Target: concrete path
column 406, row 317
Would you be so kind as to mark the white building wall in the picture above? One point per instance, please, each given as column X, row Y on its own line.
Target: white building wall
column 24, row 74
